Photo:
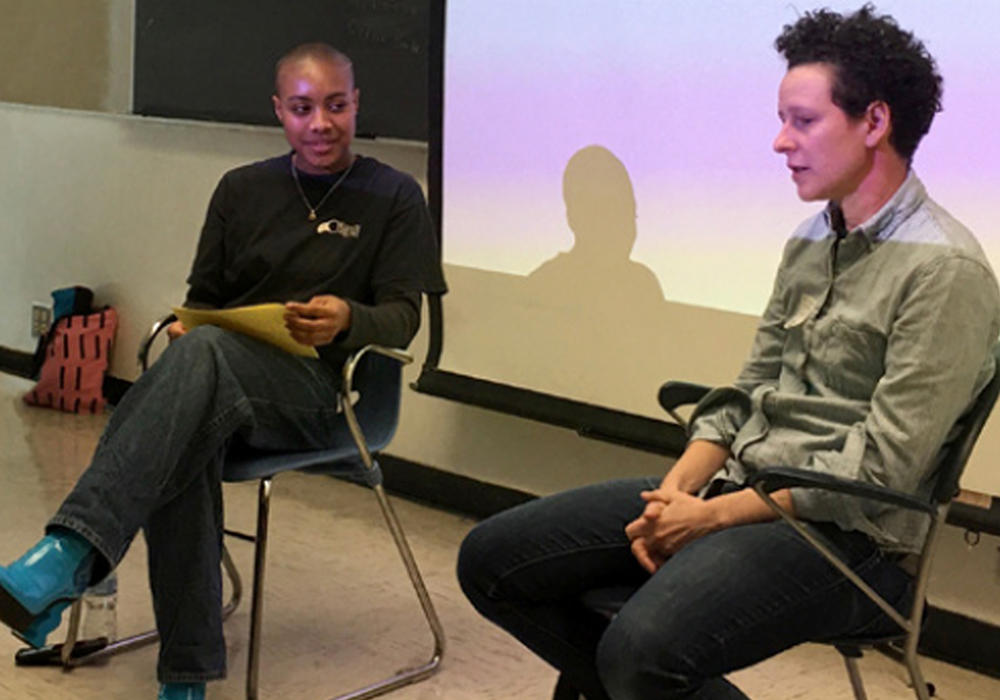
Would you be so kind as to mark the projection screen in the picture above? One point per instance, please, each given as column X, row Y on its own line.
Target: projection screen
column 612, row 209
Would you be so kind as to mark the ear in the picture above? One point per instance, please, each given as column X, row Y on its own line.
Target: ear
column 277, row 108
column 357, row 99
column 878, row 117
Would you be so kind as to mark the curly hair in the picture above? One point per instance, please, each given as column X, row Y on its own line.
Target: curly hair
column 873, row 59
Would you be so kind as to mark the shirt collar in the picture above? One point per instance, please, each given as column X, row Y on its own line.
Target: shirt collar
column 883, row 223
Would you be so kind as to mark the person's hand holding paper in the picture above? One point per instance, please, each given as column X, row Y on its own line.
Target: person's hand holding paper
column 318, row 321
column 264, row 322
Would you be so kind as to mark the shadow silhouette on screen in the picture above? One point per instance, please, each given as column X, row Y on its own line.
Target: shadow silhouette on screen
column 599, row 316
column 597, row 272
column 590, row 323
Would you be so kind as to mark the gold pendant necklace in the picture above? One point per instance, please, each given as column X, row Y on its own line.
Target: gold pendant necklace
column 305, row 200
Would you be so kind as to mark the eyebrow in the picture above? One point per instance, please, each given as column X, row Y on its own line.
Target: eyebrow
column 306, row 98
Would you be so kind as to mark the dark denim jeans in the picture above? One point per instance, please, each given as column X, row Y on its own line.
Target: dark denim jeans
column 724, row 602
column 158, row 467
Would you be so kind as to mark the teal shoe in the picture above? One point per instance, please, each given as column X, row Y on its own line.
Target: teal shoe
column 181, row 691
column 42, row 626
column 38, row 587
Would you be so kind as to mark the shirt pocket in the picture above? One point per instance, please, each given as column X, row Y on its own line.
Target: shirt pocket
column 846, row 358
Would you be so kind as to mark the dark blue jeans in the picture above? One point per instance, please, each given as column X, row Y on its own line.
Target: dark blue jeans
column 724, row 602
column 158, row 467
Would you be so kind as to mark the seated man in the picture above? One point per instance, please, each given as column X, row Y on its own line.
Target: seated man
column 875, row 340
column 343, row 239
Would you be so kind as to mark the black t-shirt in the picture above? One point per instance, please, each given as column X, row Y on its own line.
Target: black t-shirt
column 371, row 242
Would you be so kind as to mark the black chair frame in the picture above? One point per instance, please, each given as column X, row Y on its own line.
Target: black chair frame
column 951, row 462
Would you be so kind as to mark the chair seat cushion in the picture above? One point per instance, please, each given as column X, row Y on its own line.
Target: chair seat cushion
column 247, row 464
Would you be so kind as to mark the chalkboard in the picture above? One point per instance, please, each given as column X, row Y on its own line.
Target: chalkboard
column 214, row 59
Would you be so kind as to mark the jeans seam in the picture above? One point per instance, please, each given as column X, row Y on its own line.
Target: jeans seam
column 212, row 425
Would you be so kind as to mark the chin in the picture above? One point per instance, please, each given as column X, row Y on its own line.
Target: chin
column 808, row 195
column 320, row 166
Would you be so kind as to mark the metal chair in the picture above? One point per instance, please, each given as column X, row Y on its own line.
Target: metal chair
column 366, row 425
column 903, row 646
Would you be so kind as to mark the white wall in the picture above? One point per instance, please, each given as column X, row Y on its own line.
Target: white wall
column 115, row 203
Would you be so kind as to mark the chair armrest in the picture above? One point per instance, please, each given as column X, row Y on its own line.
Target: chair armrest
column 350, row 415
column 674, row 394
column 776, row 478
column 147, row 343
column 400, row 356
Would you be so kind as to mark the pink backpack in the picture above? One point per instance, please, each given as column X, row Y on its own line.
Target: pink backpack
column 76, row 358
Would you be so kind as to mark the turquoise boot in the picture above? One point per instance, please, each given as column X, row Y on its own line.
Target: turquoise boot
column 181, row 691
column 38, row 587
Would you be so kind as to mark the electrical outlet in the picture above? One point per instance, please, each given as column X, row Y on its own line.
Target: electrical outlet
column 41, row 319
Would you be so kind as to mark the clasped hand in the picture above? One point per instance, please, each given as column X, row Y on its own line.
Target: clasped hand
column 670, row 520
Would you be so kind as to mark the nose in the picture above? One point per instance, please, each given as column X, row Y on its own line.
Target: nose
column 320, row 120
column 782, row 142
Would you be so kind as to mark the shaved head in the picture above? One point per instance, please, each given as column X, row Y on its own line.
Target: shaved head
column 319, row 52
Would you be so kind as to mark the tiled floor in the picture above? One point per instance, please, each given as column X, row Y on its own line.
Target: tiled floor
column 338, row 607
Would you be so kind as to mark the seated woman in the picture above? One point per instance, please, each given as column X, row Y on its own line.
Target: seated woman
column 343, row 239
column 876, row 339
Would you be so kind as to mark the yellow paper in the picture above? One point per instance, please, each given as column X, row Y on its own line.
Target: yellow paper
column 264, row 322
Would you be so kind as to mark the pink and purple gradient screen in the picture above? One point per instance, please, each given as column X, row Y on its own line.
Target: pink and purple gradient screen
column 684, row 93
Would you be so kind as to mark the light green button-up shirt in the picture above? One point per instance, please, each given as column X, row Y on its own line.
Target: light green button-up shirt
column 870, row 349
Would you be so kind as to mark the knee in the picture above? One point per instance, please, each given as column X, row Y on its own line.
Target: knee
column 200, row 340
column 619, row 654
column 475, row 574
column 185, row 348
column 636, row 658
column 200, row 350
column 487, row 558
column 191, row 367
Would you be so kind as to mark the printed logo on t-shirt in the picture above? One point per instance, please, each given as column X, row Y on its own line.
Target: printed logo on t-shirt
column 339, row 228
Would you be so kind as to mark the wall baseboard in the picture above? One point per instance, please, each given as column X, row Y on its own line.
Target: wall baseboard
column 962, row 641
column 447, row 491
column 16, row 362
column 947, row 636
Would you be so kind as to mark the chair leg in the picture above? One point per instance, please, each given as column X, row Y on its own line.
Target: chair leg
column 921, row 688
column 565, row 690
column 235, row 582
column 399, row 679
column 418, row 673
column 257, row 597
column 855, row 675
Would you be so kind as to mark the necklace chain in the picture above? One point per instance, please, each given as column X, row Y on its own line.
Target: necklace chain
column 305, row 200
